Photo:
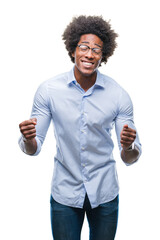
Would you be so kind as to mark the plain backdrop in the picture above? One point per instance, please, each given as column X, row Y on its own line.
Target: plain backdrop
column 31, row 51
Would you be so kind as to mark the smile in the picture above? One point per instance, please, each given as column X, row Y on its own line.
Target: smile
column 87, row 63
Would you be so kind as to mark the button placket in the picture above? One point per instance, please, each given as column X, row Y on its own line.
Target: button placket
column 83, row 139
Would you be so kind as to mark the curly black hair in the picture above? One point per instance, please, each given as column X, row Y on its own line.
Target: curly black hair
column 86, row 25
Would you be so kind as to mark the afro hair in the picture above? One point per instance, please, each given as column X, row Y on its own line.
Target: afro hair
column 90, row 25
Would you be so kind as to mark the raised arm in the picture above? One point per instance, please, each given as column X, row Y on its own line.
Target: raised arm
column 128, row 139
column 34, row 130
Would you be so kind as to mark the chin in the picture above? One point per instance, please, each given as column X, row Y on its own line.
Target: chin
column 87, row 72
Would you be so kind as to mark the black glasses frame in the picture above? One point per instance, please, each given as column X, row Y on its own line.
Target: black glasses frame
column 94, row 50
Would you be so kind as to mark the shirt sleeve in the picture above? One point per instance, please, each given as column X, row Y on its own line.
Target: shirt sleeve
column 41, row 111
column 125, row 116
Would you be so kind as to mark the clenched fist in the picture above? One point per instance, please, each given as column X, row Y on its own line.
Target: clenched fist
column 28, row 129
column 128, row 136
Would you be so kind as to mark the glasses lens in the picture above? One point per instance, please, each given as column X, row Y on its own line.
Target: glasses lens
column 97, row 50
column 83, row 48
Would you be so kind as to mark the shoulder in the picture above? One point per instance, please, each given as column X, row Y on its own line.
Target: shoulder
column 112, row 85
column 53, row 83
column 46, row 88
column 110, row 82
column 116, row 91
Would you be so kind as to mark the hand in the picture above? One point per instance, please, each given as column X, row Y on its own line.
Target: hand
column 128, row 136
column 28, row 129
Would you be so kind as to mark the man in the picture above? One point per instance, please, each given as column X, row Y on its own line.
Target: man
column 84, row 106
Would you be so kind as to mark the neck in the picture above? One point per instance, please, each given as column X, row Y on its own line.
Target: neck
column 85, row 81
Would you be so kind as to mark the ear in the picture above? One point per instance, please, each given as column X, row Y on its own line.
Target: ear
column 73, row 54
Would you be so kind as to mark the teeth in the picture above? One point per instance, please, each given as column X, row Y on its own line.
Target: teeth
column 87, row 63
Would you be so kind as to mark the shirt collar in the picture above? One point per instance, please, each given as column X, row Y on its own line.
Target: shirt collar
column 71, row 77
column 99, row 79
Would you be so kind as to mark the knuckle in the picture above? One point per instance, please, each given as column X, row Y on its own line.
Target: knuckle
column 21, row 125
column 22, row 128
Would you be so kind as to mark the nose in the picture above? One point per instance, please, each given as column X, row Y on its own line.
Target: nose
column 89, row 54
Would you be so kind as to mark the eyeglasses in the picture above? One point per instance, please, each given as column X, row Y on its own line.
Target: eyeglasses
column 85, row 49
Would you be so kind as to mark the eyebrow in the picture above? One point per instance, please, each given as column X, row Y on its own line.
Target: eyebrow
column 94, row 44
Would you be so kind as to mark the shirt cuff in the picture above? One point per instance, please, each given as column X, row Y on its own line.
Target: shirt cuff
column 23, row 148
column 138, row 148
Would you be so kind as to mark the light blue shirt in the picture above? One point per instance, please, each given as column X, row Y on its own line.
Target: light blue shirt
column 82, row 125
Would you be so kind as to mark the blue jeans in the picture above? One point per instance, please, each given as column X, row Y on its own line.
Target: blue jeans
column 66, row 222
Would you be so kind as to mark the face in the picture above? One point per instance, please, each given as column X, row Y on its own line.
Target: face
column 86, row 62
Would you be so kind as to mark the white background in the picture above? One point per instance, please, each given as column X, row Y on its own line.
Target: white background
column 31, row 51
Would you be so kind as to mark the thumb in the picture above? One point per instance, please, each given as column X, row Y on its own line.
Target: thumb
column 34, row 120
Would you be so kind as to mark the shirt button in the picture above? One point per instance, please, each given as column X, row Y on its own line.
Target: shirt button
column 82, row 148
column 83, row 131
column 83, row 164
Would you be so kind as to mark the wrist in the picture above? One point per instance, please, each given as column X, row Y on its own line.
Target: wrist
column 25, row 140
column 130, row 148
